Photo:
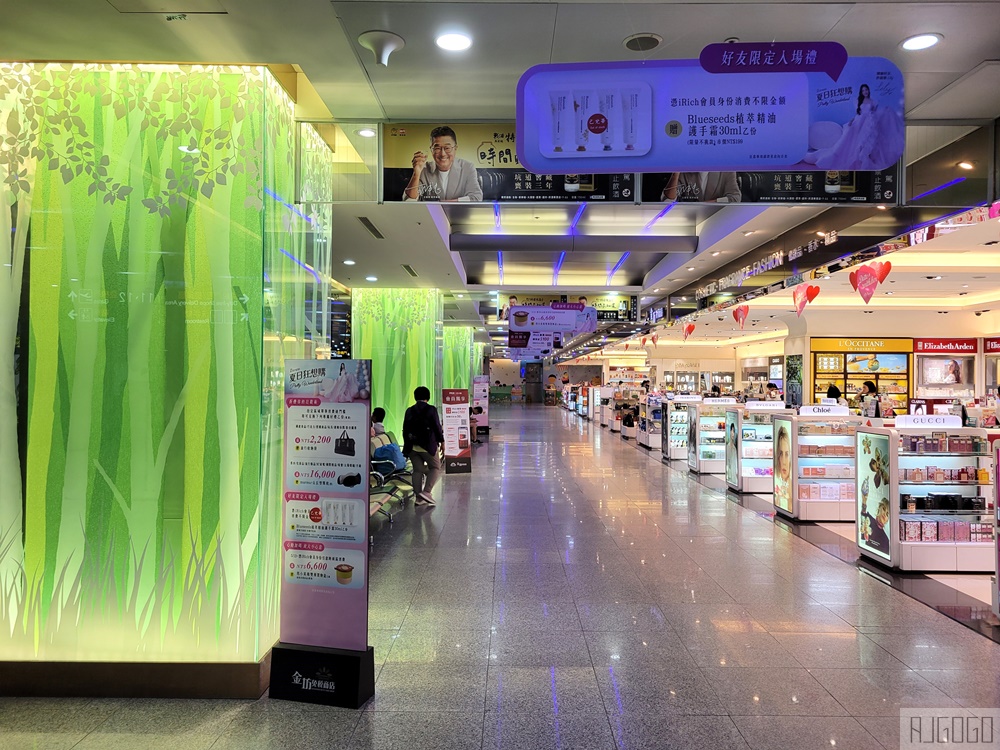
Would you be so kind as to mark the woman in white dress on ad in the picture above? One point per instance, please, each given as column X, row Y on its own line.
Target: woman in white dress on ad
column 867, row 141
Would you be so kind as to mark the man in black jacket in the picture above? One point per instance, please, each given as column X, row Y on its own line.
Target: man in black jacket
column 423, row 444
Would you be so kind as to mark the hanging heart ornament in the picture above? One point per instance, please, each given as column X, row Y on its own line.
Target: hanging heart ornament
column 867, row 282
column 688, row 330
column 740, row 313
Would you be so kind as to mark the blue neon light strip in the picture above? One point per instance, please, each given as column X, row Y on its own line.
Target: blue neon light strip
column 558, row 268
column 938, row 188
column 496, row 214
column 576, row 219
column 500, row 264
column 298, row 262
column 659, row 216
column 271, row 194
column 618, row 265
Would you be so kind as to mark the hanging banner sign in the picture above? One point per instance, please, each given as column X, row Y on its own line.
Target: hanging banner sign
column 542, row 319
column 674, row 115
column 542, row 342
column 324, row 582
column 946, row 346
column 457, row 438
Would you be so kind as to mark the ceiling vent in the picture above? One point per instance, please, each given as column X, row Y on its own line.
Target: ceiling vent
column 409, row 270
column 372, row 229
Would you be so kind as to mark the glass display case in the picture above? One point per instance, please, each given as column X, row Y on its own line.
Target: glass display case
column 583, row 401
column 725, row 380
column 814, row 465
column 707, row 436
column 674, row 442
column 686, row 382
column 650, row 415
column 924, row 496
column 749, row 446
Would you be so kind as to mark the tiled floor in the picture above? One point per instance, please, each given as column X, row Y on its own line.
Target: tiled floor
column 575, row 593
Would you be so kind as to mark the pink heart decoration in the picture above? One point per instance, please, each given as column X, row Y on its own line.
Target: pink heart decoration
column 656, row 337
column 688, row 330
column 854, row 280
column 800, row 298
column 643, row 340
column 867, row 283
column 740, row 314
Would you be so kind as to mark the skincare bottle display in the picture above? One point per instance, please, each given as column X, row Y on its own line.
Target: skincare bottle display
column 559, row 100
column 608, row 102
column 571, row 183
column 832, row 183
column 583, row 104
column 629, row 100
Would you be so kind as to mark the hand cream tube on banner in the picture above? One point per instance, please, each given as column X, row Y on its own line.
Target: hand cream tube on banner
column 559, row 100
column 583, row 103
column 629, row 104
column 607, row 99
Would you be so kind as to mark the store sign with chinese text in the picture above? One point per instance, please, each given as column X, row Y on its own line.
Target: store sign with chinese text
column 788, row 106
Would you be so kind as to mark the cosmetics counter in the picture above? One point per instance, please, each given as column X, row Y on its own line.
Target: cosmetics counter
column 814, row 464
column 674, row 443
column 650, row 422
column 925, row 496
column 594, row 403
column 750, row 446
column 706, row 450
column 583, row 402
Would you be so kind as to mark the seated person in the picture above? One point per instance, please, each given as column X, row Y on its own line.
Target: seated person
column 378, row 418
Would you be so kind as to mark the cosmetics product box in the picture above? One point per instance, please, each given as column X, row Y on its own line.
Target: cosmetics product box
column 928, row 531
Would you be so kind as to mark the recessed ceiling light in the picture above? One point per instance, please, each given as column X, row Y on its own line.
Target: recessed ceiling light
column 748, row 233
column 937, row 278
column 890, row 293
column 966, row 165
column 920, row 41
column 366, row 132
column 454, row 42
column 460, row 296
column 371, row 278
column 348, row 262
column 821, row 234
column 715, row 254
column 881, row 208
column 690, row 268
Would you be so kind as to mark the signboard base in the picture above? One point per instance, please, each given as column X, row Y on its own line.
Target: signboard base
column 327, row 676
column 458, row 465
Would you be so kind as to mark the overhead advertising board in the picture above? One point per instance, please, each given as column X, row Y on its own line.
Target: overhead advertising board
column 824, row 112
column 772, row 187
column 478, row 162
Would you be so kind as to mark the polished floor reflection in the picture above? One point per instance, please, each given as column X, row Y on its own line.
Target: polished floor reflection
column 575, row 593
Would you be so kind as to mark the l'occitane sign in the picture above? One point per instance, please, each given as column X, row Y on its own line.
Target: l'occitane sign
column 861, row 344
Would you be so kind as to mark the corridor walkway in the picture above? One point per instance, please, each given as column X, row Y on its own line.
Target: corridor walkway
column 575, row 593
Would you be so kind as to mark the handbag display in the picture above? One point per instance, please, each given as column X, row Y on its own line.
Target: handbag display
column 344, row 445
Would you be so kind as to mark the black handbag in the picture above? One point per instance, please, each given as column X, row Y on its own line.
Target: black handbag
column 344, row 445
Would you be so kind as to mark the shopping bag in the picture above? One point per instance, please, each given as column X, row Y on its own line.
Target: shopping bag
column 344, row 445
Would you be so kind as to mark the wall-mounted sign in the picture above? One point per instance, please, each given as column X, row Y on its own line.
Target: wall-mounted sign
column 861, row 345
column 991, row 346
column 640, row 116
column 479, row 162
column 736, row 278
column 324, row 582
column 946, row 346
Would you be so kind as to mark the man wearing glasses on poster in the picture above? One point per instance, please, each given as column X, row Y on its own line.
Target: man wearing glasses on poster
column 446, row 177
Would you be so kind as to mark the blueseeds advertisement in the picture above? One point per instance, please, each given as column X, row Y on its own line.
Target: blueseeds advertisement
column 645, row 116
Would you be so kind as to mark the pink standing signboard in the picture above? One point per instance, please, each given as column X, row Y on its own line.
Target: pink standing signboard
column 324, row 579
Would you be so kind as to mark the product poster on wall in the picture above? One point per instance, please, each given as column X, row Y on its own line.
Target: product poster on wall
column 481, row 403
column 873, row 529
column 732, row 449
column 783, row 464
column 793, row 378
column 324, row 584
column 457, row 439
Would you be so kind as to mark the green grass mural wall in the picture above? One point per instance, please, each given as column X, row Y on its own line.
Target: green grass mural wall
column 457, row 357
column 399, row 330
column 165, row 292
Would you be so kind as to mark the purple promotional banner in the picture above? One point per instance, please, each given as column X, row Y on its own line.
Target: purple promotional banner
column 775, row 57
column 674, row 115
column 324, row 581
